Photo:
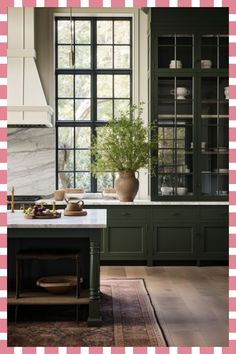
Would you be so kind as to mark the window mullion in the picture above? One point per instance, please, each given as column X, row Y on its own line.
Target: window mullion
column 93, row 71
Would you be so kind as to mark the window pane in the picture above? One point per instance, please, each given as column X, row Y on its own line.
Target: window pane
column 82, row 56
column 122, row 57
column 82, row 86
column 104, row 109
column 104, row 57
column 104, row 86
column 122, row 86
column 120, row 105
column 82, row 160
column 82, row 32
column 63, row 56
column 104, row 181
column 83, row 180
column 65, row 109
column 82, row 137
column 65, row 180
column 104, row 32
column 121, row 32
column 63, row 33
column 65, row 137
column 65, row 86
column 65, row 160
column 82, row 109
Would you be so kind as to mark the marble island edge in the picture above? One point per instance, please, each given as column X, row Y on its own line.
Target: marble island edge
column 95, row 219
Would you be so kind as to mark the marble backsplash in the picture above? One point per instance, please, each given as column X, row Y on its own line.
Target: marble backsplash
column 31, row 160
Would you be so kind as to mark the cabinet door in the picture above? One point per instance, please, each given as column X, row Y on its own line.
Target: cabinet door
column 213, row 241
column 175, row 117
column 126, row 242
column 214, row 136
column 174, row 241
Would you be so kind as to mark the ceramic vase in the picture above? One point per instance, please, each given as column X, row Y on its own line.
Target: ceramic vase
column 126, row 186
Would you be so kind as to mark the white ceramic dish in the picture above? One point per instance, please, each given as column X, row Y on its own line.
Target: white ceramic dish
column 182, row 190
column 166, row 190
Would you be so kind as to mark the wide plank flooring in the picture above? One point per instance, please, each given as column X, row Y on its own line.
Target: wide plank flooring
column 191, row 302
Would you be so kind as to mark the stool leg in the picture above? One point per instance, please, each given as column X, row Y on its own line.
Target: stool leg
column 78, row 277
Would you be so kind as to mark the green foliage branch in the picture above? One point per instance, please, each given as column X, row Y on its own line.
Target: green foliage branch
column 124, row 144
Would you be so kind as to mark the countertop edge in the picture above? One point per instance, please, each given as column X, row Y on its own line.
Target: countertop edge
column 106, row 202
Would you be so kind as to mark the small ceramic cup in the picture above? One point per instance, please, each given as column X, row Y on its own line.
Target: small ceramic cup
column 59, row 194
column 181, row 93
column 175, row 64
column 206, row 64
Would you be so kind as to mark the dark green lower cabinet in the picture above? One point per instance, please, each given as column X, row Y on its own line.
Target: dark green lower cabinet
column 166, row 233
column 213, row 243
column 174, row 241
column 126, row 242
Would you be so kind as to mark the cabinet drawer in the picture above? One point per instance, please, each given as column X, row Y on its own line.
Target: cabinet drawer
column 126, row 215
column 214, row 213
column 175, row 213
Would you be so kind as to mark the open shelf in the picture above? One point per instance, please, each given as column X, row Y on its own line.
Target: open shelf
column 45, row 298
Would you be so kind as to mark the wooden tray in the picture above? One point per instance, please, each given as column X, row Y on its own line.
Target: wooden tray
column 75, row 213
column 57, row 216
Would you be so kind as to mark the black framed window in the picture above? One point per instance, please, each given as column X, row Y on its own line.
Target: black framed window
column 90, row 93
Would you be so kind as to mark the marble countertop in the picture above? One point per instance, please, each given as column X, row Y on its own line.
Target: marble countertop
column 95, row 219
column 104, row 202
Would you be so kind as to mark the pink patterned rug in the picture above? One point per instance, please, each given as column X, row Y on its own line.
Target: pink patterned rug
column 128, row 320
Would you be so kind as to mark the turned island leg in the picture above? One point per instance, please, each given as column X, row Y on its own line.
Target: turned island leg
column 94, row 318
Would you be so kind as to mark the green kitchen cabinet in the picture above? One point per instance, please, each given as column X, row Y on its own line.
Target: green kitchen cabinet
column 174, row 241
column 126, row 236
column 188, row 95
column 153, row 233
column 213, row 233
column 213, row 242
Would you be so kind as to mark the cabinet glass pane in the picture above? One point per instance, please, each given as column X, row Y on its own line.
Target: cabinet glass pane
column 214, row 136
column 175, row 133
column 175, row 51
column 214, row 51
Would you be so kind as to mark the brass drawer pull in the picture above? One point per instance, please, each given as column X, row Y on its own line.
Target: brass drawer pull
column 125, row 214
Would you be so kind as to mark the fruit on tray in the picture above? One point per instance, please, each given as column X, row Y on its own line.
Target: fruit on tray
column 39, row 210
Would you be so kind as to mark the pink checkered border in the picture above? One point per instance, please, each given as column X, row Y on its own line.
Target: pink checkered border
column 4, row 4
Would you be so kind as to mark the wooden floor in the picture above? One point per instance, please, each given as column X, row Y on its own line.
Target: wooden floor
column 191, row 302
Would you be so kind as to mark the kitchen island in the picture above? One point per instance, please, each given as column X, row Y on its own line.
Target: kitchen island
column 60, row 234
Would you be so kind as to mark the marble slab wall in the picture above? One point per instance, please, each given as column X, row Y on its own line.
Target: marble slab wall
column 31, row 160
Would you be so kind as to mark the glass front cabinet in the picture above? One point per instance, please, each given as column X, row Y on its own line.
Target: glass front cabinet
column 189, row 101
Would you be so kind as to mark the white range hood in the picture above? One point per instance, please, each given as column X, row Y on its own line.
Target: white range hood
column 27, row 105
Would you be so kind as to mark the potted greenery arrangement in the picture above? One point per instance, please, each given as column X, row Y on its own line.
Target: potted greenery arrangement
column 123, row 146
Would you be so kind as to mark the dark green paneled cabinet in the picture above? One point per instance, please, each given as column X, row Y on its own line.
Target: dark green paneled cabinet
column 213, row 241
column 126, row 236
column 165, row 233
column 188, row 95
column 174, row 241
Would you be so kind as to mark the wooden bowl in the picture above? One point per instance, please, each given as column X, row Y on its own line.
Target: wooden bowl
column 58, row 284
